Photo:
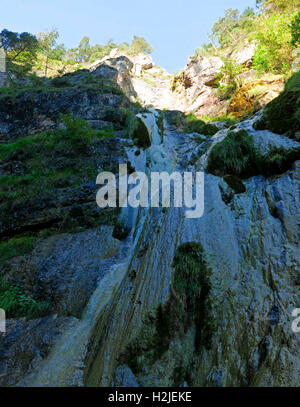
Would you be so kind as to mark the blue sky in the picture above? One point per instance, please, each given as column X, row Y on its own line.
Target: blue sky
column 175, row 28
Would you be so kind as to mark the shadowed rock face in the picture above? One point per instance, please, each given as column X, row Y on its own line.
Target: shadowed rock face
column 35, row 111
column 125, row 313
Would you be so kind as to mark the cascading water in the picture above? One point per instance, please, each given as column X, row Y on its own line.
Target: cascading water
column 249, row 287
column 65, row 364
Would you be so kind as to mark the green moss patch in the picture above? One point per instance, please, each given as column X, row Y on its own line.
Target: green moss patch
column 235, row 183
column 137, row 131
column 282, row 115
column 236, row 156
column 17, row 304
column 191, row 282
column 194, row 125
column 17, row 246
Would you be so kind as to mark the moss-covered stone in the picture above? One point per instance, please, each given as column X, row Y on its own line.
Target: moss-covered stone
column 137, row 130
column 282, row 115
column 235, row 155
column 235, row 183
column 194, row 125
column 192, row 283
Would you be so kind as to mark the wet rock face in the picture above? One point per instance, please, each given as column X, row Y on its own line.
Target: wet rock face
column 174, row 301
column 26, row 344
column 61, row 271
column 251, row 247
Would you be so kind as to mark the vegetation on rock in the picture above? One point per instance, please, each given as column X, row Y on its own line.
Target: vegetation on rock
column 237, row 156
column 282, row 115
column 195, row 125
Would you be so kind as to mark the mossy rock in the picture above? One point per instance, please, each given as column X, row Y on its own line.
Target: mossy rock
column 137, row 131
column 194, row 125
column 282, row 115
column 141, row 134
column 192, row 282
column 278, row 161
column 235, row 183
column 235, row 155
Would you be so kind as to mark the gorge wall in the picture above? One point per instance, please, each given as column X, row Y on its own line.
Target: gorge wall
column 147, row 297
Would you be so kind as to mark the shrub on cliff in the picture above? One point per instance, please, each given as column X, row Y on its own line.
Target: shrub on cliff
column 194, row 125
column 137, row 131
column 18, row 304
column 234, row 155
column 237, row 156
column 282, row 115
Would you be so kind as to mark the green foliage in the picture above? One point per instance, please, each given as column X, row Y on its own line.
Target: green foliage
column 12, row 299
column 136, row 130
column 206, row 50
column 21, row 47
column 39, row 153
column 282, row 115
column 295, row 30
column 195, row 125
column 275, row 29
column 235, row 183
column 76, row 135
column 277, row 161
column 228, row 79
column 88, row 53
column 227, row 118
column 43, row 53
column 52, row 52
column 140, row 45
column 191, row 281
column 17, row 304
column 274, row 50
column 223, row 28
column 282, row 5
column 234, row 155
column 16, row 246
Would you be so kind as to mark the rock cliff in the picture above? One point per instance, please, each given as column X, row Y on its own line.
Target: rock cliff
column 146, row 296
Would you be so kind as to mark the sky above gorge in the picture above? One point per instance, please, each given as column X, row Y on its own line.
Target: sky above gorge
column 175, row 28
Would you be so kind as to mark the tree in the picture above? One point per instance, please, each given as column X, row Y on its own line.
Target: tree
column 222, row 29
column 295, row 29
column 278, row 5
column 274, row 50
column 140, row 45
column 16, row 45
column 50, row 48
column 84, row 49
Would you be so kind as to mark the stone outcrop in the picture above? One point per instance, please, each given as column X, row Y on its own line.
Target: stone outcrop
column 194, row 89
column 198, row 78
column 244, row 56
column 122, row 67
column 93, row 100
